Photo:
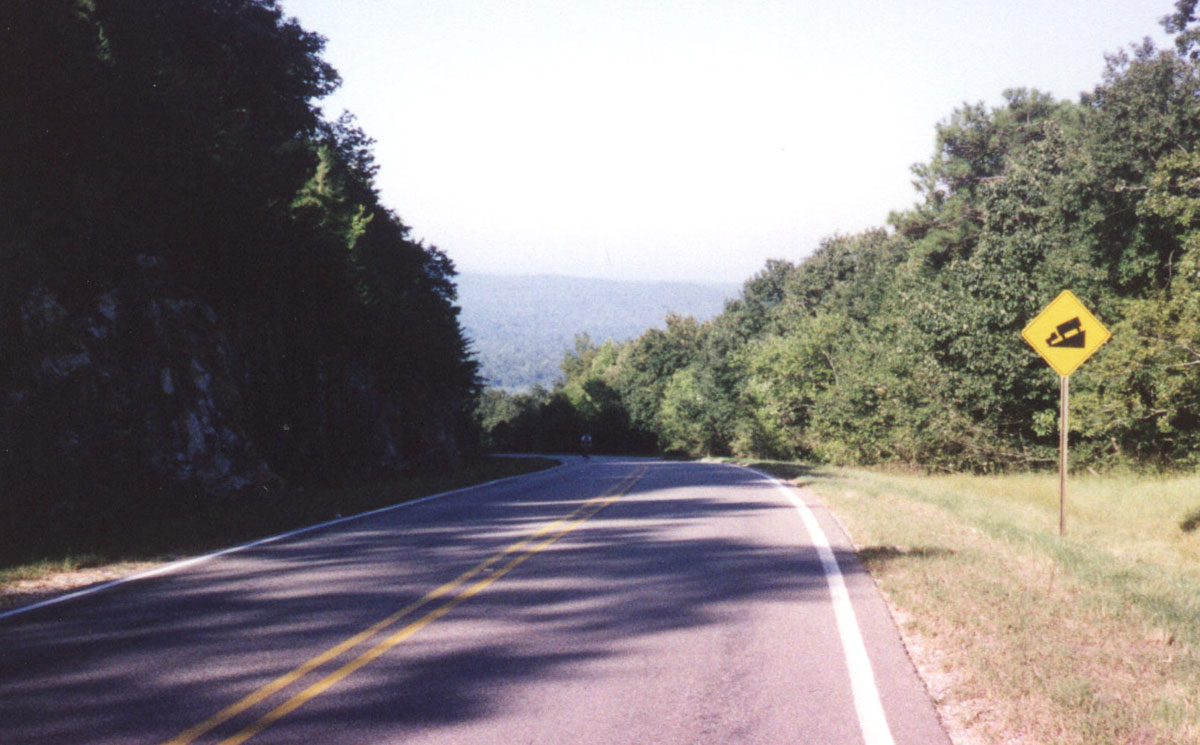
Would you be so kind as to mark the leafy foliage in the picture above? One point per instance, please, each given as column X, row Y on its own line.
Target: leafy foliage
column 903, row 345
column 184, row 135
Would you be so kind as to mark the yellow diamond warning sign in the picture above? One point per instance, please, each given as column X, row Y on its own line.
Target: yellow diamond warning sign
column 1065, row 333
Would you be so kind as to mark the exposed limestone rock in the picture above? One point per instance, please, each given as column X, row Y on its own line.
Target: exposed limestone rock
column 136, row 385
column 149, row 381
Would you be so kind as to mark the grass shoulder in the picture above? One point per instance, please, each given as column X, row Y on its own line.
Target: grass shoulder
column 1023, row 636
column 44, row 568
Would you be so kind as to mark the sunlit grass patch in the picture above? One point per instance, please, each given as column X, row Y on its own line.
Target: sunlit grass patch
column 36, row 569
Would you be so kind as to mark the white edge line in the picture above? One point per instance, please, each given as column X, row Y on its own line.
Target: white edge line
column 176, row 566
column 867, row 704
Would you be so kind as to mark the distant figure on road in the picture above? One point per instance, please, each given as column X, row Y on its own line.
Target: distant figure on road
column 585, row 445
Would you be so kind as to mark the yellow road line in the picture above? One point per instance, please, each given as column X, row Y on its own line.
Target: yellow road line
column 564, row 525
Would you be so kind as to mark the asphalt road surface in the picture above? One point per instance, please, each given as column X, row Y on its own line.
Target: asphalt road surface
column 605, row 601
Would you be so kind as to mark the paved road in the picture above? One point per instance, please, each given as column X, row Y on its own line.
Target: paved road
column 609, row 601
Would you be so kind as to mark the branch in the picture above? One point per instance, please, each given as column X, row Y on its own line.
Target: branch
column 1189, row 349
column 832, row 369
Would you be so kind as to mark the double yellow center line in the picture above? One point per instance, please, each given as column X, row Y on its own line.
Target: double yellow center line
column 454, row 593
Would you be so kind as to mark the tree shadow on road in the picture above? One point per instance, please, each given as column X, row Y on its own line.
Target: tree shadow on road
column 653, row 562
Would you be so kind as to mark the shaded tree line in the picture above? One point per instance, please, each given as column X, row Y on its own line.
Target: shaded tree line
column 545, row 420
column 167, row 159
column 901, row 344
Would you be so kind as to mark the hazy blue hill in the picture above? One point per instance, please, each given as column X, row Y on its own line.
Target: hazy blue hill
column 521, row 326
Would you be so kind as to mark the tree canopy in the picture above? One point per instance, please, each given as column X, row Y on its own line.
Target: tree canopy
column 176, row 149
column 902, row 344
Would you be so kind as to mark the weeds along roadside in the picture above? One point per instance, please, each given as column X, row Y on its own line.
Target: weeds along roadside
column 1023, row 637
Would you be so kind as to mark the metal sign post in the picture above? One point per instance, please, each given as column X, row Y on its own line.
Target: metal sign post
column 1064, row 334
column 1065, row 386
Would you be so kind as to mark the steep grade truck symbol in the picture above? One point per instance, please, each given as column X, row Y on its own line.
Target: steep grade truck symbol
column 1069, row 334
column 1065, row 333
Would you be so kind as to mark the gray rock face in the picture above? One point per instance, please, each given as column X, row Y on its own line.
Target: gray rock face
column 161, row 388
column 150, row 380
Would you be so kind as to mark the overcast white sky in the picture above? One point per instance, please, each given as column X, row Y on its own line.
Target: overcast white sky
column 666, row 139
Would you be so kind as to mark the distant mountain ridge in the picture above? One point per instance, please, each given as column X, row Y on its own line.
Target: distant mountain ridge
column 522, row 325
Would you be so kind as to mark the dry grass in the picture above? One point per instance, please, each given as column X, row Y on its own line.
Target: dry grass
column 1026, row 638
column 32, row 584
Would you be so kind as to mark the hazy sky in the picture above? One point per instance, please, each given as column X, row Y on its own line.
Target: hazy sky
column 663, row 139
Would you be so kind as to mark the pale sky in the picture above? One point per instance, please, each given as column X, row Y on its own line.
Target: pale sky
column 673, row 140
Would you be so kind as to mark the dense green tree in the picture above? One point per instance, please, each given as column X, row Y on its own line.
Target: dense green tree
column 785, row 375
column 904, row 345
column 1146, row 401
column 648, row 362
column 173, row 151
column 1147, row 107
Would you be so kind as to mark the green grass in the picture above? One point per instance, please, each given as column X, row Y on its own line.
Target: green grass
column 163, row 531
column 1024, row 636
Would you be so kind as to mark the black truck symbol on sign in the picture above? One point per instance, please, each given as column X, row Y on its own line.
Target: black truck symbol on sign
column 1069, row 334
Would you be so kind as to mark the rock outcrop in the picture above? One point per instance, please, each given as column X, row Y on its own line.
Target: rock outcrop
column 137, row 385
column 131, row 384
